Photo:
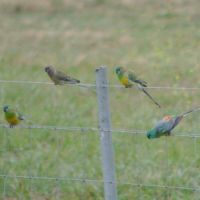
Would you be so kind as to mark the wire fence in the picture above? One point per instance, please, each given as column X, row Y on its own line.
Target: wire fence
column 93, row 129
column 93, row 85
column 100, row 181
column 194, row 135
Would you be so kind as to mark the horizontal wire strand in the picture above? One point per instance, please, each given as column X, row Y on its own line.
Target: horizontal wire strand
column 44, row 83
column 90, row 85
column 86, row 129
column 55, row 128
column 93, row 129
column 86, row 180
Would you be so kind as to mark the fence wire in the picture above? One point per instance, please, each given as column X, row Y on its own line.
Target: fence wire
column 92, row 85
column 195, row 135
column 83, row 180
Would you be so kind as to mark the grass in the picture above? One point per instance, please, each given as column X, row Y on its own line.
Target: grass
column 159, row 40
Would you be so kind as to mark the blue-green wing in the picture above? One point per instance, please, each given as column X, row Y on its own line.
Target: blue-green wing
column 132, row 76
column 20, row 116
column 166, row 126
column 176, row 121
column 163, row 126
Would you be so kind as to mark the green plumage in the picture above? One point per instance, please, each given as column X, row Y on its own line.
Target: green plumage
column 167, row 124
column 12, row 116
column 164, row 127
column 128, row 79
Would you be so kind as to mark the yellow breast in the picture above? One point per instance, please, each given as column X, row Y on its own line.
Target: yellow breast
column 125, row 81
column 13, row 121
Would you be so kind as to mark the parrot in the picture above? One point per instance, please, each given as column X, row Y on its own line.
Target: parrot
column 167, row 124
column 12, row 116
column 58, row 77
column 128, row 78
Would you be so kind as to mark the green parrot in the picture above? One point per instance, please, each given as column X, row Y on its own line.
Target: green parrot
column 58, row 77
column 12, row 116
column 128, row 79
column 167, row 124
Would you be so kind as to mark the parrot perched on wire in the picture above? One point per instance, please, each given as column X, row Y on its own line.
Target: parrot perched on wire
column 128, row 79
column 167, row 124
column 58, row 77
column 12, row 116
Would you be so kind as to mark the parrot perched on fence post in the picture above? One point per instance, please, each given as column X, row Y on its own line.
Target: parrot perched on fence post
column 58, row 77
column 167, row 124
column 128, row 79
column 12, row 116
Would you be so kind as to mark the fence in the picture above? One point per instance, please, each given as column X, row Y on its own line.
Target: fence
column 110, row 181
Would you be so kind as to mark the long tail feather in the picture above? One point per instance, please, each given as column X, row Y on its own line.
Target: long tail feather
column 150, row 97
column 190, row 111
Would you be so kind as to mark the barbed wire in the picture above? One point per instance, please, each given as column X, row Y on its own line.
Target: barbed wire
column 78, row 129
column 86, row 180
column 93, row 85
column 44, row 83
column 93, row 129
column 55, row 128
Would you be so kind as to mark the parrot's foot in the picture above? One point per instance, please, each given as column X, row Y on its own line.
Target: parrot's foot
column 168, row 134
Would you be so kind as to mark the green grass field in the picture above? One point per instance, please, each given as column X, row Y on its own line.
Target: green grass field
column 160, row 40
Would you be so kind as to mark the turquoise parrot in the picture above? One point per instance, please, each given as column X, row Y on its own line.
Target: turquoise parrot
column 128, row 79
column 167, row 124
column 58, row 77
column 12, row 116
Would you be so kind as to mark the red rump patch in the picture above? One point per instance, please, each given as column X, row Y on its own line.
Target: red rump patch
column 167, row 118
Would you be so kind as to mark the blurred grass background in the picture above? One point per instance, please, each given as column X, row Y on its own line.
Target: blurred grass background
column 160, row 40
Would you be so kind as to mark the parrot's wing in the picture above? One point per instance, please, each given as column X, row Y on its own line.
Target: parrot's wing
column 20, row 116
column 164, row 126
column 132, row 76
column 64, row 77
column 167, row 126
column 17, row 113
column 176, row 121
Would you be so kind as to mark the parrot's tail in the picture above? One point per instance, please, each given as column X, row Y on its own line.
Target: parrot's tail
column 74, row 81
column 141, row 88
column 150, row 97
column 190, row 111
column 71, row 81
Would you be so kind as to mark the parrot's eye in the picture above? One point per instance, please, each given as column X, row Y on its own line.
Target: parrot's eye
column 117, row 70
column 5, row 108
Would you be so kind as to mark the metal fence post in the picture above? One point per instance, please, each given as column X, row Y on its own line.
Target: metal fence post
column 110, row 190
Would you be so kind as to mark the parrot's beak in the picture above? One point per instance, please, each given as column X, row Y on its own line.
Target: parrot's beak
column 46, row 69
column 148, row 135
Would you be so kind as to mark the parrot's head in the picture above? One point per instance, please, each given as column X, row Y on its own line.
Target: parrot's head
column 152, row 134
column 49, row 69
column 118, row 70
column 5, row 108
